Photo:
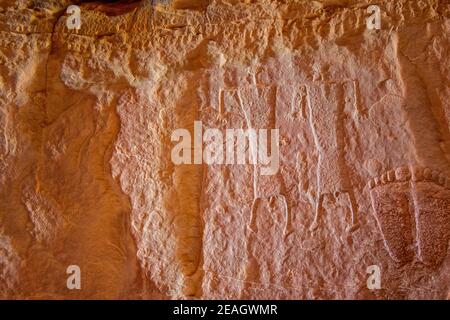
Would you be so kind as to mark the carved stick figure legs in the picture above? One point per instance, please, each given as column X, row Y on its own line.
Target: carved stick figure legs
column 390, row 202
column 413, row 194
column 352, row 205
column 353, row 212
column 317, row 210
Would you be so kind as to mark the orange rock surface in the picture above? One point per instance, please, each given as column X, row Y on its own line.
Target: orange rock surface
column 87, row 179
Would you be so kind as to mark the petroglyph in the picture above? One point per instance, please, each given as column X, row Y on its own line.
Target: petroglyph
column 326, row 110
column 87, row 179
column 431, row 201
column 269, row 222
column 185, row 204
column 113, row 9
column 299, row 102
column 412, row 208
column 258, row 106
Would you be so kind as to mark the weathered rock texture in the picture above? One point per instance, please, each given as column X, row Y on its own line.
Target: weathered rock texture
column 86, row 176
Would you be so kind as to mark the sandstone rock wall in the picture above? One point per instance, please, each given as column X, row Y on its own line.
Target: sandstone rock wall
column 87, row 179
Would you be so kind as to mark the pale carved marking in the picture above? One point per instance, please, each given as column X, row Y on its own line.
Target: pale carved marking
column 326, row 113
column 254, row 107
column 259, row 112
column 299, row 102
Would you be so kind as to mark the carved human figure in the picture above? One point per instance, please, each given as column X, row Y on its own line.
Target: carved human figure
column 326, row 111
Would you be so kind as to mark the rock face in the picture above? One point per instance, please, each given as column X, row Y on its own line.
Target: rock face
column 87, row 176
